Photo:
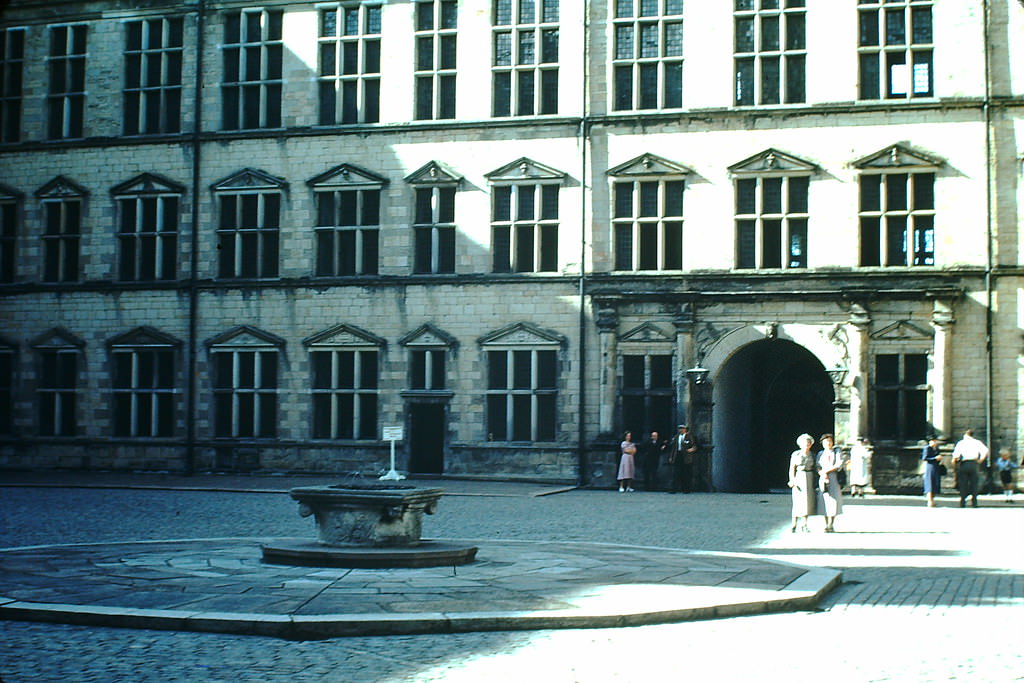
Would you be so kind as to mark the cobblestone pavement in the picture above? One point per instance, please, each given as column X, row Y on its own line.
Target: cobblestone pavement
column 930, row 594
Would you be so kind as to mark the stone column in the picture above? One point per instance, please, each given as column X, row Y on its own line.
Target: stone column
column 684, row 361
column 607, row 326
column 942, row 368
column 859, row 325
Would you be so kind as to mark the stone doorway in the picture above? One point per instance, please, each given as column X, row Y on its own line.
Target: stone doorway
column 767, row 393
column 428, row 425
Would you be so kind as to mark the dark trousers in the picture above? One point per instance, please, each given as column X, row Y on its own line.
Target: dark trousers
column 967, row 480
column 682, row 476
column 650, row 466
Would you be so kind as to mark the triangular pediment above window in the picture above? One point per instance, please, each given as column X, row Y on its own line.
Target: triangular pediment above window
column 428, row 335
column 897, row 157
column 648, row 165
column 523, row 169
column 902, row 329
column 248, row 337
column 148, row 183
column 647, row 332
column 773, row 161
column 347, row 175
column 434, row 173
column 522, row 334
column 61, row 187
column 56, row 338
column 250, row 179
column 344, row 335
column 144, row 336
column 9, row 193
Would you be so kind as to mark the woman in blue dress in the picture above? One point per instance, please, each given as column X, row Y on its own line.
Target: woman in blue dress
column 932, row 476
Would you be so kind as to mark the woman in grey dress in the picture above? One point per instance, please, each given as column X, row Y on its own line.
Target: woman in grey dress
column 802, row 478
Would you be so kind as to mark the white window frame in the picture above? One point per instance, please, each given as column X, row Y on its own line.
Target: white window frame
column 911, row 78
column 525, row 40
column 266, row 83
column 787, row 217
column 647, row 38
column 65, row 110
column 635, row 222
column 760, row 16
column 436, row 42
column 350, row 59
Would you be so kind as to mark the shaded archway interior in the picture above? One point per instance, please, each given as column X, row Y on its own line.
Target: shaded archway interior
column 768, row 393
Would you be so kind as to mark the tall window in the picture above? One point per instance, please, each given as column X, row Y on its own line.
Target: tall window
column 350, row 40
column 143, row 381
column 152, row 76
column 58, row 392
column 427, row 369
column 648, row 57
column 249, row 234
column 895, row 49
column 771, row 222
column 6, row 390
column 901, row 396
column 897, row 219
column 12, row 63
column 434, row 230
column 347, row 232
column 648, row 224
column 147, row 237
column 648, row 393
column 524, row 228
column 771, row 51
column 436, row 24
column 8, row 236
column 245, row 392
column 525, row 57
column 62, row 239
column 65, row 102
column 522, row 393
column 345, row 393
column 253, row 52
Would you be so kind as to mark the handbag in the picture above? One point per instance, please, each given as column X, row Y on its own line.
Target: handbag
column 942, row 470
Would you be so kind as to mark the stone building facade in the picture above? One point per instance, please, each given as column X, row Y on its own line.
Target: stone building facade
column 247, row 236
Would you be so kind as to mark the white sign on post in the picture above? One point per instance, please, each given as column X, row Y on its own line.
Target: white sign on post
column 393, row 433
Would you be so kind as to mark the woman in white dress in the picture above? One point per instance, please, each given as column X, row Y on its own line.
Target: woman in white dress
column 858, row 468
column 830, row 501
column 801, row 481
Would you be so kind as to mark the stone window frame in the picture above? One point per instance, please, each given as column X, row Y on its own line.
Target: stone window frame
column 12, row 67
column 245, row 381
column 148, row 209
column 347, row 248
column 646, row 55
column 251, row 92
column 143, row 383
column 428, row 349
column 645, row 348
column 349, row 59
column 524, row 67
column 10, row 227
column 435, row 230
column 63, row 209
column 770, row 52
column 66, row 89
column 249, row 250
column 525, row 221
column 345, row 383
column 58, row 354
column 899, row 33
column 435, row 62
column 153, row 66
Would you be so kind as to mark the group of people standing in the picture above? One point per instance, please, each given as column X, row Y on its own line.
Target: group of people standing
column 814, row 479
column 969, row 455
column 681, row 449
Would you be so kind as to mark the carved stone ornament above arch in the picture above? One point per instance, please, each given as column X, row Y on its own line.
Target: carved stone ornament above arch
column 429, row 335
column 245, row 336
column 347, row 176
column 55, row 339
column 646, row 332
column 902, row 330
column 344, row 335
column 772, row 161
column 434, row 174
column 144, row 336
column 61, row 187
column 897, row 156
column 524, row 169
column 649, row 165
column 250, row 179
column 147, row 184
column 522, row 334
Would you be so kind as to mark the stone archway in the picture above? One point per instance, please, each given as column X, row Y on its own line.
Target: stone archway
column 766, row 394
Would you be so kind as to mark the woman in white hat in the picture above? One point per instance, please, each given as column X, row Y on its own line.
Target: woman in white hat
column 802, row 476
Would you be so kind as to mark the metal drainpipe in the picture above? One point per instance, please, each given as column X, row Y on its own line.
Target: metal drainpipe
column 584, row 138
column 989, row 236
column 193, row 289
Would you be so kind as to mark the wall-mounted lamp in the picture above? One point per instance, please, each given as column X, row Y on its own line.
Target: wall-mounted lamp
column 837, row 374
column 698, row 375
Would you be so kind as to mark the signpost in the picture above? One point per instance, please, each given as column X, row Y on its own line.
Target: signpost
column 393, row 433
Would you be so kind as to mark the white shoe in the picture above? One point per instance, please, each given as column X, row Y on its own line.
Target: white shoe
column 630, row 490
column 622, row 490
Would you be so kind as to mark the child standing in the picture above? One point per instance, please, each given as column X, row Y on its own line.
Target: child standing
column 1006, row 466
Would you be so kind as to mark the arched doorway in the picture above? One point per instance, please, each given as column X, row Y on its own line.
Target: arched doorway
column 767, row 393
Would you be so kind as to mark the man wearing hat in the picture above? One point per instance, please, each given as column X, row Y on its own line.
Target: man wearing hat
column 680, row 455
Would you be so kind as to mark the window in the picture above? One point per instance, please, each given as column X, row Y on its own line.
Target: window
column 65, row 102
column 345, row 393
column 143, row 381
column 436, row 23
column 62, row 239
column 524, row 228
column 350, row 64
column 770, row 50
column 901, row 396
column 6, row 390
column 8, row 235
column 648, row 224
column 147, row 234
column 522, row 395
column 434, row 230
column 427, row 369
column 245, row 392
column 895, row 52
column 252, row 69
column 152, row 76
column 897, row 219
column 12, row 63
column 347, row 232
column 648, row 393
column 771, row 222
column 525, row 57
column 58, row 392
column 648, row 54
column 249, row 234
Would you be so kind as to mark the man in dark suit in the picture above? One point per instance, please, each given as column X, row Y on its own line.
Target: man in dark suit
column 681, row 450
column 650, row 457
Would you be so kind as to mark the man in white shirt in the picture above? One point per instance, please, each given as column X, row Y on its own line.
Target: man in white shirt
column 969, row 454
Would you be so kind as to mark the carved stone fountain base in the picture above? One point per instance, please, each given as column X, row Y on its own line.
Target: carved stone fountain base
column 312, row 554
